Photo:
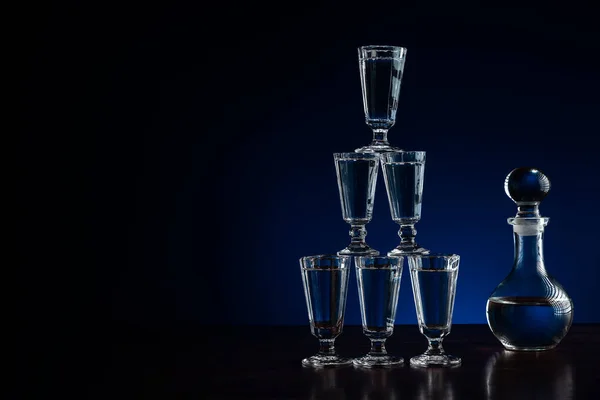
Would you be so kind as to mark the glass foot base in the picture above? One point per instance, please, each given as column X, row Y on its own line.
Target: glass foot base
column 326, row 361
column 529, row 348
column 398, row 251
column 377, row 148
column 370, row 361
column 358, row 250
column 444, row 360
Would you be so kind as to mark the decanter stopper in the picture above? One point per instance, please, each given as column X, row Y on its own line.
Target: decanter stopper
column 527, row 187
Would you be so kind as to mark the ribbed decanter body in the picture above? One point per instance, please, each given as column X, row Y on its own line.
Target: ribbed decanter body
column 529, row 310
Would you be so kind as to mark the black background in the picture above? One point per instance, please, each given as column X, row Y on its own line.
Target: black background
column 175, row 159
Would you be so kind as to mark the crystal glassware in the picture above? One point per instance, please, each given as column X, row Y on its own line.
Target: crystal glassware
column 433, row 279
column 357, row 178
column 325, row 281
column 381, row 69
column 378, row 279
column 404, row 173
column 529, row 310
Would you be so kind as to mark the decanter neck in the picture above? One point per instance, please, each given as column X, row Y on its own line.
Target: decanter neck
column 529, row 239
column 529, row 254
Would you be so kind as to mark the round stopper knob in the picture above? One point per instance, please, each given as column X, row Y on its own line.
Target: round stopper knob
column 526, row 185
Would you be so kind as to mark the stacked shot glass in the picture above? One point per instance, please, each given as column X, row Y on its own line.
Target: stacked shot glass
column 433, row 275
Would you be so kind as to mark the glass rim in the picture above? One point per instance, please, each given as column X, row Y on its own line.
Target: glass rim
column 380, row 257
column 403, row 156
column 399, row 265
column 415, row 152
column 448, row 256
column 308, row 259
column 452, row 261
column 383, row 47
column 357, row 156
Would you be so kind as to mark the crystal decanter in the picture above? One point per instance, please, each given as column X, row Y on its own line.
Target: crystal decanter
column 529, row 310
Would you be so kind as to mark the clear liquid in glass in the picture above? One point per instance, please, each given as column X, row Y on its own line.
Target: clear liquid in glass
column 434, row 292
column 325, row 300
column 381, row 79
column 378, row 300
column 404, row 181
column 357, row 188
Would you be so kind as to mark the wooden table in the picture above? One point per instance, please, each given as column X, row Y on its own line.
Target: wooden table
column 264, row 362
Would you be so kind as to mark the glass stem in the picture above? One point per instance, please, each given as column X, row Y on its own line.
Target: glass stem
column 380, row 136
column 358, row 233
column 326, row 347
column 407, row 235
column 434, row 347
column 377, row 347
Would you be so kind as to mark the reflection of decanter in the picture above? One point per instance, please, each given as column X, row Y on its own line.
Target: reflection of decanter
column 515, row 375
column 529, row 310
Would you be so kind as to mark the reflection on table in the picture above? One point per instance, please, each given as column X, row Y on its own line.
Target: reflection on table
column 378, row 384
column 435, row 383
column 325, row 383
column 515, row 375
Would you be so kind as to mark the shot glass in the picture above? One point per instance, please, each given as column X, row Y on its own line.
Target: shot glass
column 381, row 70
column 433, row 278
column 404, row 177
column 378, row 279
column 356, row 178
column 325, row 280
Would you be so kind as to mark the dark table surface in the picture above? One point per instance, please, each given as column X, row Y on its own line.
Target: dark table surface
column 258, row 362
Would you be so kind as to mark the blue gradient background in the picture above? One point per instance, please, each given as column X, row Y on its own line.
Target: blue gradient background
column 191, row 165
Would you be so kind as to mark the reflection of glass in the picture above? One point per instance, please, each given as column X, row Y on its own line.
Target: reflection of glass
column 357, row 177
column 529, row 375
column 379, row 384
column 435, row 384
column 529, row 310
column 378, row 281
column 325, row 280
column 404, row 173
column 325, row 384
column 433, row 279
column 381, row 69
